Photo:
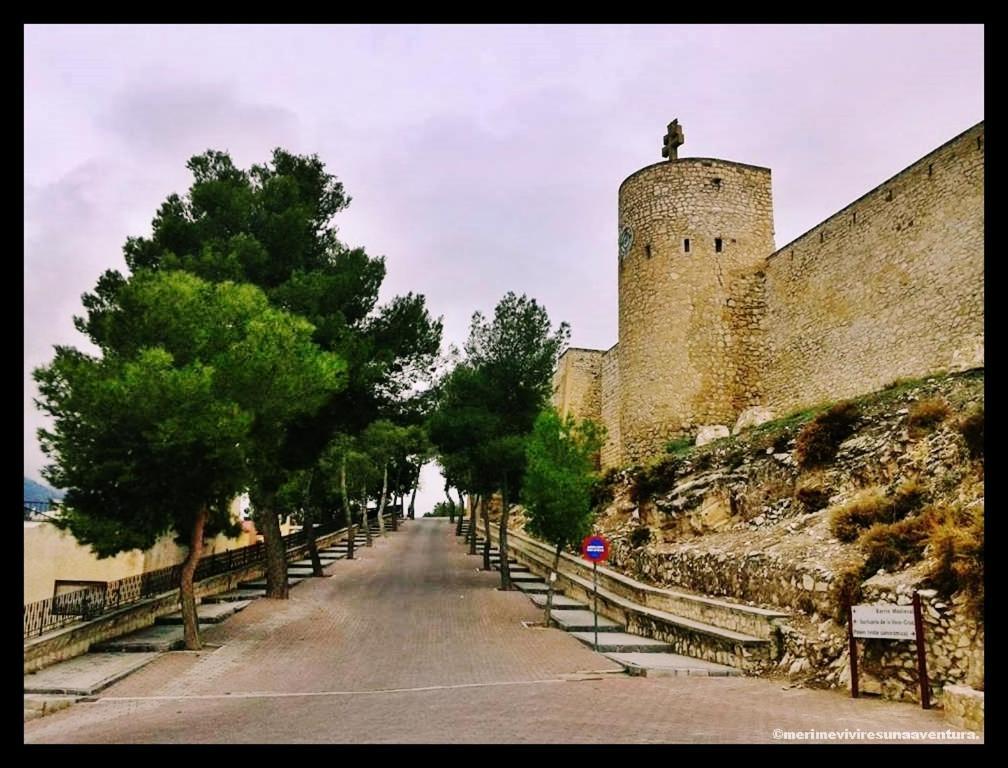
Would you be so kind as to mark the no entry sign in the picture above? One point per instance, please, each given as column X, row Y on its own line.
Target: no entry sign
column 595, row 548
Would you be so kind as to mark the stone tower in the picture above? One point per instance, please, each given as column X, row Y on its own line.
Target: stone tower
column 686, row 226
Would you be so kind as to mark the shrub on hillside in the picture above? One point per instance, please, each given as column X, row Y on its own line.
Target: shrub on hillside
column 957, row 549
column 873, row 506
column 602, row 488
column 812, row 497
column 893, row 545
column 680, row 446
column 863, row 510
column 845, row 591
column 640, row 536
column 971, row 427
column 654, row 478
column 818, row 441
column 925, row 415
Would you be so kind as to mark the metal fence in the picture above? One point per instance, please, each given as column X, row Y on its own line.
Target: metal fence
column 95, row 599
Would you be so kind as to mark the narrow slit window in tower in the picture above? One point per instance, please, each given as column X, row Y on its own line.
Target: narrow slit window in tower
column 718, row 245
column 647, row 251
column 685, row 245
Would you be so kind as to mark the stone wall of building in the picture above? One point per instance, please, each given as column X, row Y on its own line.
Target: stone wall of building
column 577, row 383
column 692, row 221
column 612, row 453
column 890, row 287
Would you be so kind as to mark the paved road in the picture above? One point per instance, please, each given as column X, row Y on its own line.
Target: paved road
column 411, row 643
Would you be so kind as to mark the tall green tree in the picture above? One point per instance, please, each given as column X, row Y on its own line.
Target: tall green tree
column 514, row 354
column 462, row 427
column 558, row 481
column 161, row 430
column 272, row 226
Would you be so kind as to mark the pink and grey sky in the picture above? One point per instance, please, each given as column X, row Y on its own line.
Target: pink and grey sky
column 480, row 159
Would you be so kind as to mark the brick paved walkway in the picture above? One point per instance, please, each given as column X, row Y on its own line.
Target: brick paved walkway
column 410, row 643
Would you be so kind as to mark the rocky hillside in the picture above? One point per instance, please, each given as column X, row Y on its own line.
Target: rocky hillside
column 861, row 501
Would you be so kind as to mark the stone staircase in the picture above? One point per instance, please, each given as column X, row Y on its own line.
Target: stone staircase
column 680, row 633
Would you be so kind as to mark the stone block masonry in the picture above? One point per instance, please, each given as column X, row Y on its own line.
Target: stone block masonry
column 713, row 320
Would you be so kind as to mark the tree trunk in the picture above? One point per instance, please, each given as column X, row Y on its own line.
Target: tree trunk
column 550, row 583
column 397, row 492
column 486, row 534
column 381, row 503
column 316, row 561
column 276, row 553
column 308, row 516
column 346, row 509
column 472, row 524
column 364, row 517
column 451, row 503
column 458, row 523
column 412, row 499
column 505, row 566
column 187, row 595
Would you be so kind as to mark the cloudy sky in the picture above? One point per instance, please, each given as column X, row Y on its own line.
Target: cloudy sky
column 480, row 159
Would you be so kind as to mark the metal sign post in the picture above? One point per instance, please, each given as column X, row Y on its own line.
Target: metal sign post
column 595, row 548
column 595, row 593
column 922, row 674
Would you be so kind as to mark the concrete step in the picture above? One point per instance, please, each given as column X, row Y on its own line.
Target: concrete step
column 670, row 665
column 560, row 602
column 211, row 613
column 308, row 563
column 621, row 642
column 584, row 621
column 687, row 636
column 157, row 638
column 235, row 595
column 299, row 573
column 517, row 576
column 532, row 587
column 84, row 675
column 513, row 569
column 261, row 583
column 40, row 706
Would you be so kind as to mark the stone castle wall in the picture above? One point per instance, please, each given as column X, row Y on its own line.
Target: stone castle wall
column 577, row 383
column 612, row 448
column 890, row 287
column 674, row 334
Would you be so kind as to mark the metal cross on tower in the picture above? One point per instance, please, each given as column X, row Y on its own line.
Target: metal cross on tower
column 672, row 140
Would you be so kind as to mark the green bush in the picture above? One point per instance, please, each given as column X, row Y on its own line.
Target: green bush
column 818, row 441
column 925, row 415
column 640, row 536
column 654, row 478
column 971, row 427
column 680, row 446
column 602, row 490
column 443, row 509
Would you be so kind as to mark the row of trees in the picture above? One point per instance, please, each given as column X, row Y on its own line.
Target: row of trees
column 497, row 437
column 244, row 350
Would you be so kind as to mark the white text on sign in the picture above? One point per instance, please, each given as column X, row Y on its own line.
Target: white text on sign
column 888, row 622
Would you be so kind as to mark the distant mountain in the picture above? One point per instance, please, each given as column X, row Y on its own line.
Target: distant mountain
column 37, row 492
